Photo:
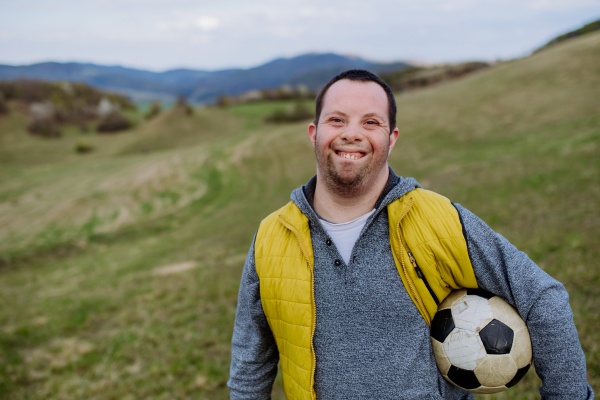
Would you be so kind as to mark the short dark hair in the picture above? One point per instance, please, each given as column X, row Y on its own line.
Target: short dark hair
column 358, row 75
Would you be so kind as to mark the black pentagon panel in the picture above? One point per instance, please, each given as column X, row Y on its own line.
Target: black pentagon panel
column 442, row 325
column 463, row 377
column 480, row 293
column 521, row 372
column 497, row 338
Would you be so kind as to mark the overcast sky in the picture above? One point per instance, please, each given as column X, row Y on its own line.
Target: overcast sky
column 165, row 34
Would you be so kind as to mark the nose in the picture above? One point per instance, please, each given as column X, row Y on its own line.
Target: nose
column 352, row 133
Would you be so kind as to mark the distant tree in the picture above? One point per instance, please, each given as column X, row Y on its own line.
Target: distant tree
column 71, row 100
column 8, row 90
column 589, row 28
column 224, row 101
column 3, row 105
column 42, row 120
column 44, row 128
column 155, row 109
column 297, row 112
column 113, row 122
column 420, row 77
column 285, row 92
column 182, row 104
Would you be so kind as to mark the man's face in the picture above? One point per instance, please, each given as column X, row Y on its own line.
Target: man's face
column 353, row 140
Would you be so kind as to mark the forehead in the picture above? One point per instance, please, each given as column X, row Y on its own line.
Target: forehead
column 355, row 96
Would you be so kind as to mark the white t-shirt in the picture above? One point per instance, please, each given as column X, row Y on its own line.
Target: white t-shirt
column 344, row 235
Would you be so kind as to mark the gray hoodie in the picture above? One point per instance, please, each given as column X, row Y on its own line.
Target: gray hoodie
column 370, row 340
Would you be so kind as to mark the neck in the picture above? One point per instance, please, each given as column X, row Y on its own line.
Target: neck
column 336, row 207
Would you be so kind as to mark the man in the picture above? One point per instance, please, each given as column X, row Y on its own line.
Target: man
column 331, row 289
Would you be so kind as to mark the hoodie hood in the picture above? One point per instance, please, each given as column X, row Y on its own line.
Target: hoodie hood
column 395, row 188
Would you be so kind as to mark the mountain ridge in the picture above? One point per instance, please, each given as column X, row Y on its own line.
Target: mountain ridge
column 199, row 86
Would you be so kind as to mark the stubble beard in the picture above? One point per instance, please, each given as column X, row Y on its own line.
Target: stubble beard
column 352, row 183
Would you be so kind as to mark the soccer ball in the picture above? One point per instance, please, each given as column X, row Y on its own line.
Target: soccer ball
column 480, row 342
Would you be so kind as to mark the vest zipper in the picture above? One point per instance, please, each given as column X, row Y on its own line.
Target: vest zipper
column 314, row 306
column 411, row 285
column 312, row 331
column 421, row 276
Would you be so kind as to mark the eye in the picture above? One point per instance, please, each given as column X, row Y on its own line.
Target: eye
column 336, row 120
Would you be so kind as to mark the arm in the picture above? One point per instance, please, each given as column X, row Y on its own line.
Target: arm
column 254, row 354
column 542, row 302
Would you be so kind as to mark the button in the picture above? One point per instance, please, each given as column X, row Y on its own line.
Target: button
column 328, row 242
column 337, row 263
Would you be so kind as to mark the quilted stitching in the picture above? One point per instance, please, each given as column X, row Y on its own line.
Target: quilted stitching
column 279, row 258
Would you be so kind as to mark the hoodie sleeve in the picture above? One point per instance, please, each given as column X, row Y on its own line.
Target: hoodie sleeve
column 254, row 354
column 542, row 302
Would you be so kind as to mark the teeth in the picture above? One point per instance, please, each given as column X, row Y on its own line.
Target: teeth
column 350, row 156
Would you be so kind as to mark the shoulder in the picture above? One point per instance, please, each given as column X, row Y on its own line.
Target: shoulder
column 289, row 211
column 423, row 204
column 428, row 195
column 278, row 224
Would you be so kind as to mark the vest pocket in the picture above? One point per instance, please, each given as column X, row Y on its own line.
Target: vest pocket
column 422, row 277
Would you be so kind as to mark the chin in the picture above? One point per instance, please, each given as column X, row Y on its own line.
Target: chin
column 347, row 177
column 346, row 181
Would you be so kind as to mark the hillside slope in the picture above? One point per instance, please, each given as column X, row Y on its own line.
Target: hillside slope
column 584, row 30
column 120, row 271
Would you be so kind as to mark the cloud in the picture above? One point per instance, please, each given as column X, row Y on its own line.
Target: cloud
column 242, row 33
column 207, row 23
column 173, row 25
column 559, row 5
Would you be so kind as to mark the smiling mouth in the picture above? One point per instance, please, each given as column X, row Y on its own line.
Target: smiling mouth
column 350, row 155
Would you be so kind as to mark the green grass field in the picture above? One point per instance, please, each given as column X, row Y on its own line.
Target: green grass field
column 119, row 269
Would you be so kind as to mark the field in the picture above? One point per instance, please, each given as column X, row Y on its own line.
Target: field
column 119, row 269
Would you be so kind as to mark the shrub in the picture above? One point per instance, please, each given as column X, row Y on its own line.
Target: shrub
column 279, row 115
column 155, row 109
column 3, row 105
column 298, row 112
column 420, row 77
column 42, row 120
column 224, row 101
column 183, row 104
column 43, row 127
column 73, row 101
column 113, row 122
column 82, row 147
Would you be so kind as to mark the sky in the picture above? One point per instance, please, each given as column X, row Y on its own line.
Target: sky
column 164, row 34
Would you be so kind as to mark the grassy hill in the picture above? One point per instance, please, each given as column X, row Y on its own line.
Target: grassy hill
column 584, row 30
column 120, row 268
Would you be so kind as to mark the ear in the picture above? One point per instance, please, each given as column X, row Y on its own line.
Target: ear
column 312, row 133
column 393, row 138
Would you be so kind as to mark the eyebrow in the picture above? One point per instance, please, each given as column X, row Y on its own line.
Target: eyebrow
column 373, row 115
column 336, row 112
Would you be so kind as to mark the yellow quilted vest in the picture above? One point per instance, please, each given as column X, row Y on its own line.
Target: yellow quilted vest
column 424, row 226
